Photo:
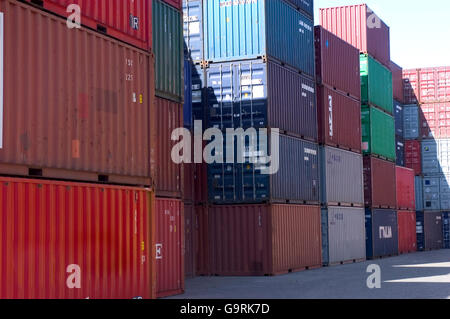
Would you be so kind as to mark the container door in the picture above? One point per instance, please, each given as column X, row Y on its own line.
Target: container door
column 420, row 231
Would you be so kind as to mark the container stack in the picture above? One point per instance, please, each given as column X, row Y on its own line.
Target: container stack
column 362, row 28
column 341, row 161
column 77, row 114
column 169, row 96
column 429, row 89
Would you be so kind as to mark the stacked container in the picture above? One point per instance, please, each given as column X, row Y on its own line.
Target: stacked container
column 83, row 150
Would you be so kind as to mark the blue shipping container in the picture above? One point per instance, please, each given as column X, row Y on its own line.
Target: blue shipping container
column 381, row 233
column 307, row 6
column 420, row 230
column 418, row 181
column 446, row 229
column 431, row 193
column 400, row 151
column 398, row 114
column 411, row 122
column 430, row 158
column 238, row 30
column 193, row 29
column 259, row 94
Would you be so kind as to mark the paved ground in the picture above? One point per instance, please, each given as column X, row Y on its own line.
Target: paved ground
column 419, row 275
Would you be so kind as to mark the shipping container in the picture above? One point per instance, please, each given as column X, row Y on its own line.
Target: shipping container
column 187, row 104
column 256, row 94
column 177, row 4
column 407, row 238
column 435, row 121
column 381, row 233
column 444, row 192
column 436, row 157
column 237, row 30
column 198, row 87
column 410, row 87
column 400, row 151
column 376, row 84
column 193, row 29
column 128, row 21
column 418, row 181
column 406, row 197
column 361, row 27
column 258, row 240
column 169, row 179
column 189, row 240
column 341, row 177
column 169, row 220
column 434, row 85
column 337, row 63
column 378, row 133
column 168, row 50
column 446, row 229
column 202, row 241
column 234, row 183
column 411, row 122
column 431, row 193
column 429, row 231
column 73, row 129
column 201, row 183
column 52, row 231
column 339, row 119
column 379, row 183
column 343, row 235
column 413, row 156
column 399, row 118
column 307, row 6
column 397, row 81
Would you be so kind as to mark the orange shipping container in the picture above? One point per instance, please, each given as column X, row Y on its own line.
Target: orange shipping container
column 77, row 105
column 75, row 241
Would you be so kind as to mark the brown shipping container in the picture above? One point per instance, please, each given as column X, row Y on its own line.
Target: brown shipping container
column 201, row 240
column 169, row 179
column 258, row 240
column 77, row 104
column 189, row 256
column 337, row 63
column 379, row 183
column 397, row 81
column 339, row 119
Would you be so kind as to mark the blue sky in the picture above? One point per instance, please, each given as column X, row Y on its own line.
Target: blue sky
column 419, row 29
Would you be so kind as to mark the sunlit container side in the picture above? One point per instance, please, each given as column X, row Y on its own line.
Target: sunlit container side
column 193, row 29
column 435, row 121
column 49, row 228
column 337, row 63
column 128, row 21
column 237, row 30
column 444, row 155
column 177, row 4
column 259, row 240
column 379, row 183
column 407, row 237
column 342, row 181
column 400, row 150
column 250, row 183
column 418, row 181
column 339, row 119
column 169, row 178
column 258, row 94
column 411, row 122
column 169, row 220
column 399, row 118
column 446, row 229
column 381, row 233
column 343, row 235
column 376, row 84
column 189, row 240
column 361, row 27
column 430, row 158
column 411, row 94
column 397, row 81
column 406, row 196
column 168, row 50
column 434, row 85
column 187, row 105
column 444, row 192
column 431, row 193
column 429, row 231
column 413, row 157
column 97, row 126
column 378, row 133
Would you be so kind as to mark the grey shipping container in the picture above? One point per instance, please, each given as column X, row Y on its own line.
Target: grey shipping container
column 398, row 115
column 444, row 193
column 400, row 151
column 343, row 235
column 431, row 197
column 411, row 122
column 342, row 179
column 381, row 233
column 418, row 181
column 430, row 158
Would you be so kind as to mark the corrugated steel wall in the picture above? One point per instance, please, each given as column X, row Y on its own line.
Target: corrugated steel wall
column 381, row 233
column 411, row 122
column 407, row 238
column 405, row 188
column 189, row 240
column 379, row 183
column 418, row 183
column 397, row 81
column 433, row 230
column 193, row 29
column 413, row 157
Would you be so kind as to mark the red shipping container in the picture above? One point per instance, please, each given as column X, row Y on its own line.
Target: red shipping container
column 189, row 244
column 169, row 247
column 379, row 183
column 407, row 237
column 258, row 240
column 201, row 241
column 337, row 63
column 77, row 105
column 434, row 85
column 413, row 156
column 188, row 185
column 174, row 3
column 361, row 27
column 169, row 179
column 127, row 20
column 411, row 86
column 53, row 231
column 339, row 119
column 406, row 198
column 397, row 81
column 201, row 183
column 435, row 120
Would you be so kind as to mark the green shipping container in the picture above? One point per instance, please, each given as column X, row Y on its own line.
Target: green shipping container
column 378, row 133
column 168, row 49
column 376, row 84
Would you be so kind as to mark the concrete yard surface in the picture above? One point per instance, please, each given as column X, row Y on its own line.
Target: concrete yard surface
column 422, row 275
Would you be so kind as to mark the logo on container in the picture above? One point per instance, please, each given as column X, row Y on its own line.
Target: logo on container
column 74, row 19
column 385, row 232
